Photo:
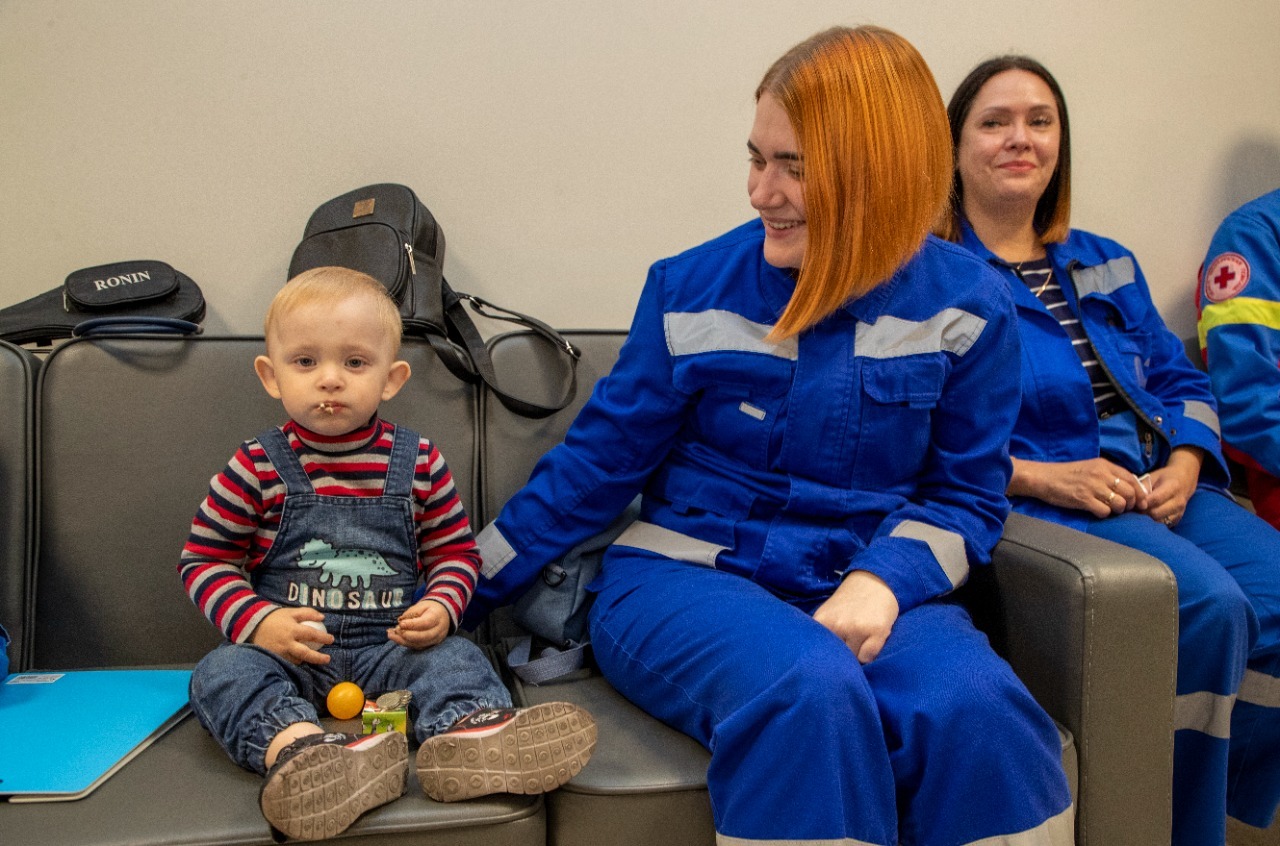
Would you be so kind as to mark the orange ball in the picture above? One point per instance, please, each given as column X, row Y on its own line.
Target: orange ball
column 345, row 700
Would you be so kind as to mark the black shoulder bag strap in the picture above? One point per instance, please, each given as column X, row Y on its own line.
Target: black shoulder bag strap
column 464, row 330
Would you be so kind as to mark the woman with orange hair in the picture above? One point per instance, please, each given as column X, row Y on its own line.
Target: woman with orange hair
column 816, row 408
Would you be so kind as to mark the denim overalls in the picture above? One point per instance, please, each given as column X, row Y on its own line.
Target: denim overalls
column 355, row 560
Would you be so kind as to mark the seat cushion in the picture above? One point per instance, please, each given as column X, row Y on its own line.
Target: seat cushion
column 184, row 789
column 646, row 782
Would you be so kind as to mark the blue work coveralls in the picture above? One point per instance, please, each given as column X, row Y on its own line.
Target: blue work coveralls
column 1239, row 327
column 873, row 441
column 1226, row 561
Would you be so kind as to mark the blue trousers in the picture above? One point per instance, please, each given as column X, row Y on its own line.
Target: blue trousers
column 244, row 696
column 1227, row 745
column 936, row 741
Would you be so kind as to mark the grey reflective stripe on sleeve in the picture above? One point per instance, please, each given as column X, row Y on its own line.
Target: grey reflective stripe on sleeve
column 1104, row 278
column 950, row 330
column 495, row 552
column 947, row 547
column 716, row 330
column 1259, row 689
column 1058, row 830
column 1209, row 713
column 1202, row 412
column 647, row 536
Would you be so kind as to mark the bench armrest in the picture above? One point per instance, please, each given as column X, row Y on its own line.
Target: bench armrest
column 1091, row 628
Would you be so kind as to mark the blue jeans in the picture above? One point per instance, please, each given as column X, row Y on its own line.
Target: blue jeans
column 1227, row 745
column 244, row 696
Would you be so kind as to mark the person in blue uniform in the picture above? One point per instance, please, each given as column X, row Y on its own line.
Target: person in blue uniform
column 816, row 407
column 1118, row 436
column 1239, row 328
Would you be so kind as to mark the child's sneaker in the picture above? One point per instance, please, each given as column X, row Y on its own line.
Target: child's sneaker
column 507, row 750
column 321, row 783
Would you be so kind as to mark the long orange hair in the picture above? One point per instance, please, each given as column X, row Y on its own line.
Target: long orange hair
column 873, row 132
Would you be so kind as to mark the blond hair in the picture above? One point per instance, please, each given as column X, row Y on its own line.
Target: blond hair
column 331, row 285
column 872, row 131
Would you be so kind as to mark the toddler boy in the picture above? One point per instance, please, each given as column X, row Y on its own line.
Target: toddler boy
column 306, row 554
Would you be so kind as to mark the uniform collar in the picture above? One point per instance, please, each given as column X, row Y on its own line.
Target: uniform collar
column 971, row 242
column 872, row 304
column 778, row 284
column 1061, row 254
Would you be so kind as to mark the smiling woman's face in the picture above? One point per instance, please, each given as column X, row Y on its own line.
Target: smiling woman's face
column 775, row 184
column 1009, row 144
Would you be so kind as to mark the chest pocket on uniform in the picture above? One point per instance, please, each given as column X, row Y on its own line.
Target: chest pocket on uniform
column 735, row 416
column 1130, row 339
column 898, row 399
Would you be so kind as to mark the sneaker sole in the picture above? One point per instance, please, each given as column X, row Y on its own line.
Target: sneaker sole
column 323, row 789
column 539, row 750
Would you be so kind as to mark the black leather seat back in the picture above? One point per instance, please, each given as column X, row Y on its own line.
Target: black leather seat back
column 17, row 381
column 131, row 430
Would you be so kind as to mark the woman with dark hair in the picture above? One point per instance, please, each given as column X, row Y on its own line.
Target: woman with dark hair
column 816, row 407
column 1118, row 436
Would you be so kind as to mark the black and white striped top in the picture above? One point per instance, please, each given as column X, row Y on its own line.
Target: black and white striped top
column 1038, row 276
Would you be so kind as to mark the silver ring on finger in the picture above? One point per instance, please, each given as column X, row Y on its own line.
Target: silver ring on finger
column 1110, row 497
column 1115, row 483
column 1169, row 521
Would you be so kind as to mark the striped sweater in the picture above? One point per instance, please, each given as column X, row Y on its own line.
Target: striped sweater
column 236, row 524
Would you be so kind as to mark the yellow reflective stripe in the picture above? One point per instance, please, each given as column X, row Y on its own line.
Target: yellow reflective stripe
column 1237, row 310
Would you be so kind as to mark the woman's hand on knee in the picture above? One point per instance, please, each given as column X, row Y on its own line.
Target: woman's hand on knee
column 1173, row 485
column 861, row 612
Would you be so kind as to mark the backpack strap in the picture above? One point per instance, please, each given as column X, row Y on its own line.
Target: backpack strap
column 551, row 663
column 141, row 324
column 460, row 323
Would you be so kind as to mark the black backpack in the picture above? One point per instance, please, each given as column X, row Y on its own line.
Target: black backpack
column 387, row 232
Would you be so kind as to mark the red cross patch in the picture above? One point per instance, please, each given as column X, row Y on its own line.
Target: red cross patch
column 1226, row 277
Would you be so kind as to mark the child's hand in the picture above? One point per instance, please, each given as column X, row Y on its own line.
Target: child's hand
column 425, row 624
column 283, row 633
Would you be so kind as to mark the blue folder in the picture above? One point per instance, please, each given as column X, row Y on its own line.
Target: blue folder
column 64, row 733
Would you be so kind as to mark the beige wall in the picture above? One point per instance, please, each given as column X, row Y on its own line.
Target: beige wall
column 563, row 145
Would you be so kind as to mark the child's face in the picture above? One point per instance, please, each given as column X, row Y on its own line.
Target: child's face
column 331, row 364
